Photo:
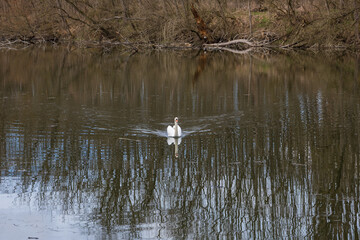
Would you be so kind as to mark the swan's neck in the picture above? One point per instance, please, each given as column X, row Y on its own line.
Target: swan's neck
column 176, row 129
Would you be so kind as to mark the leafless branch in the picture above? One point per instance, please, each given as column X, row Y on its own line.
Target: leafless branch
column 231, row 50
column 231, row 42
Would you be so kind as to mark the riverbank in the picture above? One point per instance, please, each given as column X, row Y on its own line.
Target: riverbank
column 181, row 24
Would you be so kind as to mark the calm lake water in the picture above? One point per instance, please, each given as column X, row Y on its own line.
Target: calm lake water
column 270, row 148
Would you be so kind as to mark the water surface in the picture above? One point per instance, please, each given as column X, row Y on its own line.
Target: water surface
column 270, row 147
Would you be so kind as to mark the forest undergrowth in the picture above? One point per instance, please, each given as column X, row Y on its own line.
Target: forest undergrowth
column 136, row 24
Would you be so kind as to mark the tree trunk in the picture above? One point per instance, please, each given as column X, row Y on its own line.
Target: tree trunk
column 201, row 26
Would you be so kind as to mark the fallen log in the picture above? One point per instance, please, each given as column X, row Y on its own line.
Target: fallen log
column 226, row 46
column 204, row 31
column 236, row 41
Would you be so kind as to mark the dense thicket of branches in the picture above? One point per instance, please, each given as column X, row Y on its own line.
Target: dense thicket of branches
column 290, row 22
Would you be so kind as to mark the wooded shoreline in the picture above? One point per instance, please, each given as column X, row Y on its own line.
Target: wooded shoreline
column 228, row 25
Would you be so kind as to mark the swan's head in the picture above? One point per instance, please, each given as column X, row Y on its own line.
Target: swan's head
column 176, row 119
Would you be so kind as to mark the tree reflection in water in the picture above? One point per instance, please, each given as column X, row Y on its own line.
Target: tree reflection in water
column 272, row 149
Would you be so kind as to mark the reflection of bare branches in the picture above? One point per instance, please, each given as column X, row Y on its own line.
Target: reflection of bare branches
column 79, row 157
column 200, row 67
column 246, row 51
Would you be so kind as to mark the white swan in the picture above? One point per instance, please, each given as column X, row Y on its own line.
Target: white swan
column 174, row 131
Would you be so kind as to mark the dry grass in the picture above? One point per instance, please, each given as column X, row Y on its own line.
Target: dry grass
column 295, row 23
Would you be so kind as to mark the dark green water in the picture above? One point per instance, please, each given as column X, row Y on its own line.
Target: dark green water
column 270, row 147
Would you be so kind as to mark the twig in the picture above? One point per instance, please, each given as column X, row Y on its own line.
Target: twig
column 80, row 11
column 345, row 14
column 72, row 18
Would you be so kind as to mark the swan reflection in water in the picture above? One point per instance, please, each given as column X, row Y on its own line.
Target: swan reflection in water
column 176, row 142
column 173, row 135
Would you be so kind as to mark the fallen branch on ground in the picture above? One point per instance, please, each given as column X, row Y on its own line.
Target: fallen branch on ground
column 231, row 42
column 12, row 45
column 224, row 46
column 8, row 42
column 249, row 46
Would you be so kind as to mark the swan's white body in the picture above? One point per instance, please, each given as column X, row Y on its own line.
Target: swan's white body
column 174, row 131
